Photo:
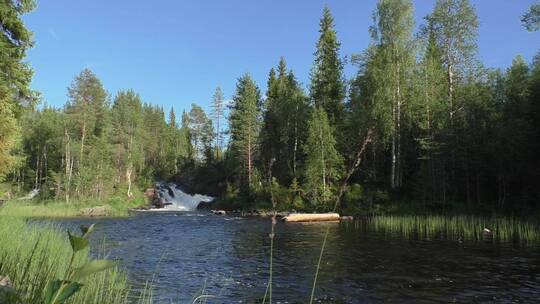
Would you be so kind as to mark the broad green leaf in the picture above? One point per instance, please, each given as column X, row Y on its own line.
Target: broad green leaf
column 91, row 268
column 77, row 243
column 86, row 230
column 67, row 292
column 50, row 292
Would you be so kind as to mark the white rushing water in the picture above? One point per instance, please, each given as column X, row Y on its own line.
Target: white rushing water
column 179, row 200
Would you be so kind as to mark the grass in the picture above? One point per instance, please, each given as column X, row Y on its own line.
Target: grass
column 60, row 209
column 457, row 227
column 32, row 256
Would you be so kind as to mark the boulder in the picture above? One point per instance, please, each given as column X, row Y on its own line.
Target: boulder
column 96, row 211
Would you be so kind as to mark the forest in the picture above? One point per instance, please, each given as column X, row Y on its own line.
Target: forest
column 446, row 133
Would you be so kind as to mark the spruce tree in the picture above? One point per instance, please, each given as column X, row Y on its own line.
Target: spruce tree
column 323, row 162
column 283, row 129
column 327, row 88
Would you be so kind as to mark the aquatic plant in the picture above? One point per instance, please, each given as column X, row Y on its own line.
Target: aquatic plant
column 456, row 227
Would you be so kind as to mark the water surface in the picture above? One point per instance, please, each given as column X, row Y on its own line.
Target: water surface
column 227, row 257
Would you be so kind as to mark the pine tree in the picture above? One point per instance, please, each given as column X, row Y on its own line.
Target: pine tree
column 327, row 86
column 244, row 122
column 201, row 131
column 218, row 112
column 323, row 162
column 87, row 111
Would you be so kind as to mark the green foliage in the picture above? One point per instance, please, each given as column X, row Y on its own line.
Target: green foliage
column 466, row 228
column 201, row 133
column 37, row 259
column 15, row 77
column 323, row 162
column 531, row 19
column 327, row 88
column 244, row 124
column 284, row 128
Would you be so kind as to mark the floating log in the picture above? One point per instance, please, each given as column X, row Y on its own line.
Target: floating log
column 311, row 217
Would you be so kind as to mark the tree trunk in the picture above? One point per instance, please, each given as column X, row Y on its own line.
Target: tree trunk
column 69, row 166
column 323, row 162
column 295, row 140
column 354, row 166
column 249, row 159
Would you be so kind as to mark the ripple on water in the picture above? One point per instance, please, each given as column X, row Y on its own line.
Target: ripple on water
column 228, row 258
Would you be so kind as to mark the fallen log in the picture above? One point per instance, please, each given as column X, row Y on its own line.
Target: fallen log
column 311, row 217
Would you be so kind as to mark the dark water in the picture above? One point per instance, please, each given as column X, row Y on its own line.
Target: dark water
column 228, row 258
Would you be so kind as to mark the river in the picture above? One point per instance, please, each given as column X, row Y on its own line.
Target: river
column 190, row 253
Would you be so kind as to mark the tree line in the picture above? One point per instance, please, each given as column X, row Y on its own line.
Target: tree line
column 447, row 131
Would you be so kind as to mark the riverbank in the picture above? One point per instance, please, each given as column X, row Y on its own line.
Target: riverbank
column 36, row 255
column 113, row 207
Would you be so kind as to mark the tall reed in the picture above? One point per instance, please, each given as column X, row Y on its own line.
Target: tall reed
column 457, row 227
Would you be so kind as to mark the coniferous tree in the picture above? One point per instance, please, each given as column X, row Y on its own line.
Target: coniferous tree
column 87, row 113
column 430, row 119
column 283, row 128
column 218, row 112
column 323, row 161
column 244, row 124
column 201, row 131
column 327, row 87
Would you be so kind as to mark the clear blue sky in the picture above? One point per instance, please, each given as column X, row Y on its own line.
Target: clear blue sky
column 175, row 53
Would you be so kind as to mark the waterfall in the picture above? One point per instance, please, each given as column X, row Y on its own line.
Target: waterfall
column 178, row 200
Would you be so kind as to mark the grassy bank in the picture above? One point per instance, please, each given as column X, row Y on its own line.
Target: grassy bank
column 457, row 227
column 116, row 207
column 33, row 256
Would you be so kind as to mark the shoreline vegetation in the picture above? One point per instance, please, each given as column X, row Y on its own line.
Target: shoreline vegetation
column 37, row 255
column 450, row 138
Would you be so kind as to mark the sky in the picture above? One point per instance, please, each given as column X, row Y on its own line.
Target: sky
column 175, row 53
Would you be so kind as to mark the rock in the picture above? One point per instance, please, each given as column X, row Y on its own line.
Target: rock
column 5, row 282
column 312, row 217
column 7, row 293
column 219, row 212
column 96, row 211
column 346, row 218
column 150, row 193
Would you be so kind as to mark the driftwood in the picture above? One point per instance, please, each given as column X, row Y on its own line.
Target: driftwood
column 312, row 217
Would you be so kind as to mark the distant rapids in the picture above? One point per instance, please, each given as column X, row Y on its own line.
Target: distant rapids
column 177, row 200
